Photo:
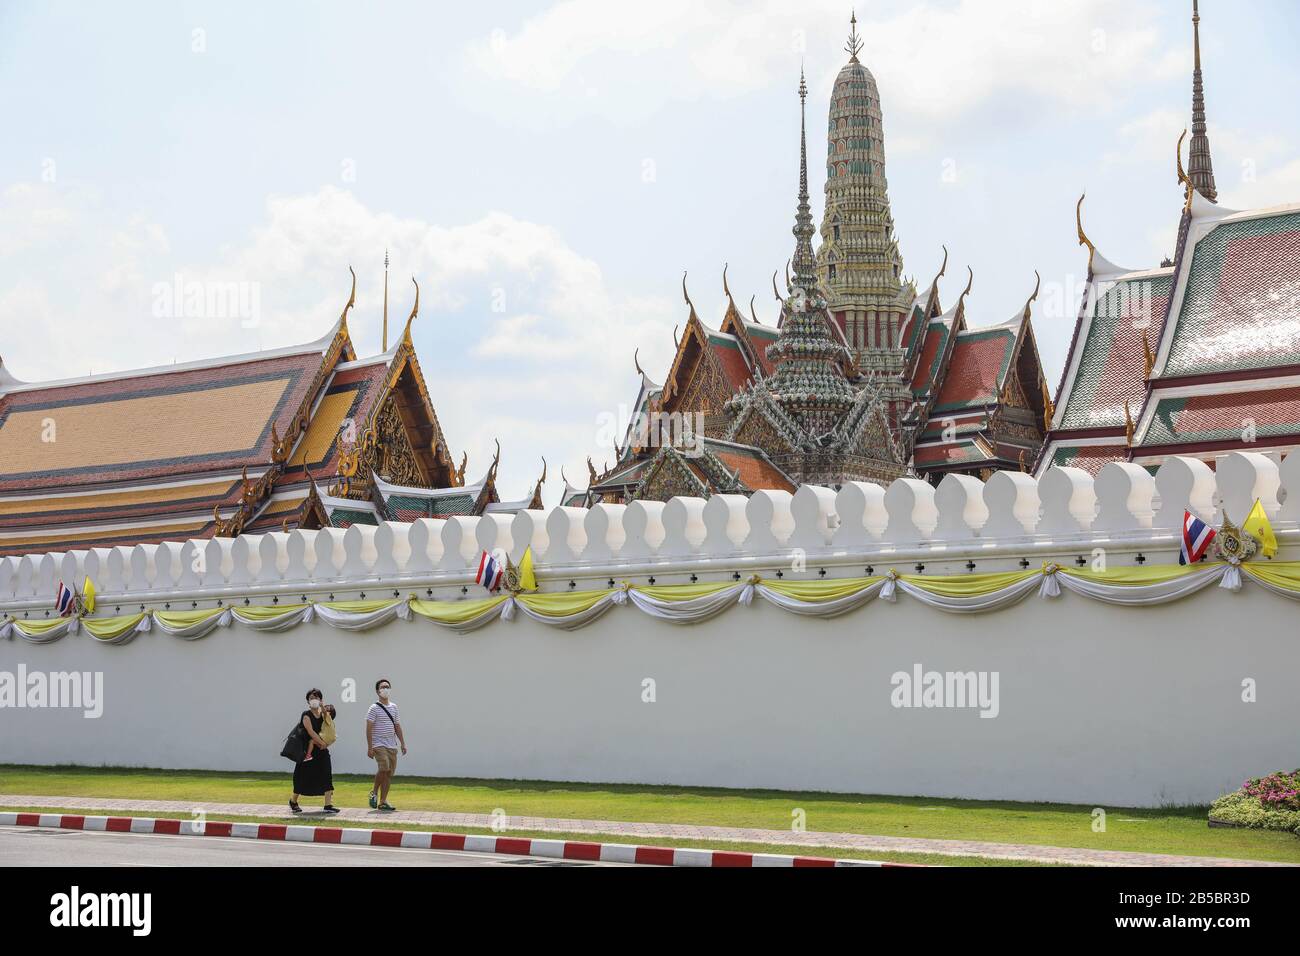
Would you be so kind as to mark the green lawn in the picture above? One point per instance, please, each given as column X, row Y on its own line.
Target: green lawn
column 923, row 859
column 1177, row 830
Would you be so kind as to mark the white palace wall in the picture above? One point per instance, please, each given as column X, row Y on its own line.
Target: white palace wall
column 1097, row 704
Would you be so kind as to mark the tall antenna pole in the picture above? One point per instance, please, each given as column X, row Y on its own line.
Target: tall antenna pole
column 385, row 348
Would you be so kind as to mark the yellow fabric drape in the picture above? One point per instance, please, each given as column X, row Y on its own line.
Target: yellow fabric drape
column 359, row 607
column 455, row 612
column 562, row 603
column 967, row 585
column 37, row 628
column 111, row 628
column 180, row 619
column 684, row 592
column 813, row 592
column 1136, row 577
column 258, row 613
column 1281, row 574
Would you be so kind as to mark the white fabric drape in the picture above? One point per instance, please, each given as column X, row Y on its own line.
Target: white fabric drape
column 977, row 604
column 1143, row 595
column 360, row 620
column 572, row 622
column 203, row 628
column 691, row 611
column 281, row 622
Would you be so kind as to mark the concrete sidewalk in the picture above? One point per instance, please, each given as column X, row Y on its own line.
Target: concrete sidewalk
column 842, row 841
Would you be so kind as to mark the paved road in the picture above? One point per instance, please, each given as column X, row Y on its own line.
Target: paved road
column 21, row 846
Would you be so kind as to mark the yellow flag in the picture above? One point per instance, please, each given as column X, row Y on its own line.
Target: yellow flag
column 1257, row 527
column 527, row 578
column 88, row 596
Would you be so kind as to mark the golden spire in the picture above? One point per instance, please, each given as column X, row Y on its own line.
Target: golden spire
column 1128, row 426
column 385, row 348
column 687, row 296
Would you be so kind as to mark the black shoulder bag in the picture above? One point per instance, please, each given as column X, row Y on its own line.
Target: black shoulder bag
column 295, row 745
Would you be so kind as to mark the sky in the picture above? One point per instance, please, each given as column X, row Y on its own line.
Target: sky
column 548, row 172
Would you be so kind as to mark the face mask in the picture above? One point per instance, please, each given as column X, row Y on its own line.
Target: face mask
column 314, row 704
column 383, row 692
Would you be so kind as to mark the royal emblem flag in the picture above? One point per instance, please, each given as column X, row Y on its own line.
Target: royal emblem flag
column 527, row 576
column 88, row 595
column 1197, row 536
column 1258, row 527
column 490, row 572
column 65, row 601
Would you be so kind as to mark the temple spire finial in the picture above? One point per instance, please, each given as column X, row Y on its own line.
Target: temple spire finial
column 854, row 46
column 1200, row 167
column 805, row 265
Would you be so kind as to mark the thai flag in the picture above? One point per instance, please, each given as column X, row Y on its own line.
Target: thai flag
column 66, row 601
column 490, row 572
column 1197, row 536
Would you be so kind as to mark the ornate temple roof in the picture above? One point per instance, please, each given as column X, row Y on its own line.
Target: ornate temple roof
column 1197, row 359
column 221, row 446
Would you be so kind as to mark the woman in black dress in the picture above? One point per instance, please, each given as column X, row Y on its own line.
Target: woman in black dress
column 315, row 777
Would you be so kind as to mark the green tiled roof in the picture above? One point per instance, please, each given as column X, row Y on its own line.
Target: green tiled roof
column 343, row 517
column 1241, row 307
column 1112, row 367
column 1268, row 413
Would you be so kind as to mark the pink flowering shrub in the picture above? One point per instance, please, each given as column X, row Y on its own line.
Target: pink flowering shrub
column 1277, row 791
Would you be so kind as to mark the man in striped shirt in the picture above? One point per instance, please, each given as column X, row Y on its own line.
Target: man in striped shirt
column 383, row 737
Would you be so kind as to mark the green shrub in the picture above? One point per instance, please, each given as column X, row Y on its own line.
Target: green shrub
column 1245, row 810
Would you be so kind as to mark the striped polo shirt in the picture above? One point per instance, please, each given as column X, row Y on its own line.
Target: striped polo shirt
column 385, row 735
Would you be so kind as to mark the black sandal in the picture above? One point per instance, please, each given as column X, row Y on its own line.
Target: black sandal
column 294, row 807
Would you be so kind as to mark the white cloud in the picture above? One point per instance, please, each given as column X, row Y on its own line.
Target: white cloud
column 933, row 60
column 539, row 345
column 1251, row 171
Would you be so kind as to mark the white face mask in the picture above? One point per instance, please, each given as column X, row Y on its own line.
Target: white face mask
column 383, row 692
column 314, row 704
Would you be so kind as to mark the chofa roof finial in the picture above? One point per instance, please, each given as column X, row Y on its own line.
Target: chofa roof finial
column 352, row 297
column 415, row 310
column 1038, row 282
column 1183, row 179
column 1083, row 236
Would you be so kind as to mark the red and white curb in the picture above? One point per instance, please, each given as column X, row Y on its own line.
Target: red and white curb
column 426, row 840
